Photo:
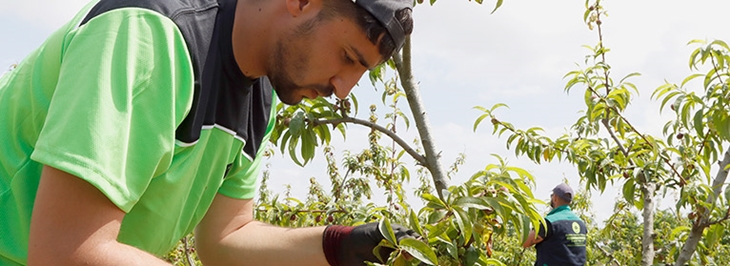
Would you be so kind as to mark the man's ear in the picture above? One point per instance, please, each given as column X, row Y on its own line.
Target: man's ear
column 298, row 7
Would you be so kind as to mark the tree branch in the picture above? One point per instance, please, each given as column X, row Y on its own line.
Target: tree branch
column 724, row 218
column 702, row 144
column 608, row 255
column 613, row 136
column 186, row 247
column 717, row 188
column 403, row 64
column 418, row 157
column 703, row 220
column 717, row 71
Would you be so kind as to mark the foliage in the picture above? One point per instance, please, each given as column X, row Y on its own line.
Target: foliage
column 457, row 230
column 642, row 164
column 460, row 225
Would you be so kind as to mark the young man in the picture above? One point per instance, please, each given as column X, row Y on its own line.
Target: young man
column 141, row 120
column 564, row 241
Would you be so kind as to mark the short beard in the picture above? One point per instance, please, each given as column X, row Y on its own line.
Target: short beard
column 285, row 64
column 285, row 89
column 279, row 74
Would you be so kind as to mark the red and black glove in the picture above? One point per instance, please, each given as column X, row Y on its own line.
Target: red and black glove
column 353, row 245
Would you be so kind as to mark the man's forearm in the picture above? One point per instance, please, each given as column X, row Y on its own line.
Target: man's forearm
column 73, row 223
column 532, row 239
column 100, row 254
column 257, row 243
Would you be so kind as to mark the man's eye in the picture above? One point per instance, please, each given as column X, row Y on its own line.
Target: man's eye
column 347, row 58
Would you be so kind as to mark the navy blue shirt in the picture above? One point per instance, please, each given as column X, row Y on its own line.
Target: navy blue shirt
column 564, row 242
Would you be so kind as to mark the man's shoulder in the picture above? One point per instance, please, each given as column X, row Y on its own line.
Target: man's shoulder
column 170, row 9
column 565, row 214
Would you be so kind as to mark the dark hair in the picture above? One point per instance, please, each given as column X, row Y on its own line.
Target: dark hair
column 370, row 25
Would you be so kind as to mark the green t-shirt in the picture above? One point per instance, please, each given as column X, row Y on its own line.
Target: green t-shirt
column 102, row 101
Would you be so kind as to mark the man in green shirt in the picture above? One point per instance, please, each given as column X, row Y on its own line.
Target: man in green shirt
column 140, row 120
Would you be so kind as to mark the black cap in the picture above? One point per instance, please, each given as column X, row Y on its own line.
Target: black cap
column 564, row 192
column 384, row 11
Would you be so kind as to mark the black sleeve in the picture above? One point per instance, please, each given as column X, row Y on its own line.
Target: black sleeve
column 544, row 232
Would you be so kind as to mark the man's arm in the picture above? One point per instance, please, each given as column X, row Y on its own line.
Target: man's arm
column 73, row 223
column 532, row 239
column 229, row 235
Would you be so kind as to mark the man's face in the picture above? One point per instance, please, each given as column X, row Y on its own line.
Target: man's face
column 320, row 58
column 552, row 201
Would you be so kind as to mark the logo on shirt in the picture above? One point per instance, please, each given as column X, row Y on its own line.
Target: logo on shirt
column 577, row 239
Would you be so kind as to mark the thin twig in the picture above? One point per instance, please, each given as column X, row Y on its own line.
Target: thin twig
column 724, row 218
column 418, row 157
column 613, row 135
column 186, row 250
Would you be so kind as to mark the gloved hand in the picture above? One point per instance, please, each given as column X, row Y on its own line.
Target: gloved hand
column 351, row 246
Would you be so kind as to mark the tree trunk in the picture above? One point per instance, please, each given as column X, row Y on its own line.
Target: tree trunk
column 690, row 245
column 403, row 63
column 647, row 241
column 696, row 234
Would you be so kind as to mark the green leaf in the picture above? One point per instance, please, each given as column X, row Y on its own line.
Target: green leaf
column 481, row 108
column 284, row 141
column 628, row 191
column 355, row 103
column 693, row 59
column 293, row 151
column 495, row 203
column 714, row 234
column 494, row 107
column 479, row 120
column 720, row 43
column 451, row 249
column 438, row 229
column 698, row 125
column 464, row 223
column 387, row 231
column 296, row 124
column 472, row 255
column 415, row 223
column 377, row 74
column 433, row 201
column 400, row 261
column 383, row 244
column 492, row 261
column 678, row 230
column 710, row 77
column 634, row 74
column 499, row 3
column 419, row 250
column 471, row 202
column 526, row 221
column 691, row 77
column 722, row 125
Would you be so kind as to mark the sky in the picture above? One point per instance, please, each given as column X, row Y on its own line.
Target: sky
column 464, row 56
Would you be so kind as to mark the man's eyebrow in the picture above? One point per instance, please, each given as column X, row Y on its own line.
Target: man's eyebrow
column 361, row 58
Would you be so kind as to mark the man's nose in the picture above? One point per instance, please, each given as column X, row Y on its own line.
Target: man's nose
column 344, row 82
